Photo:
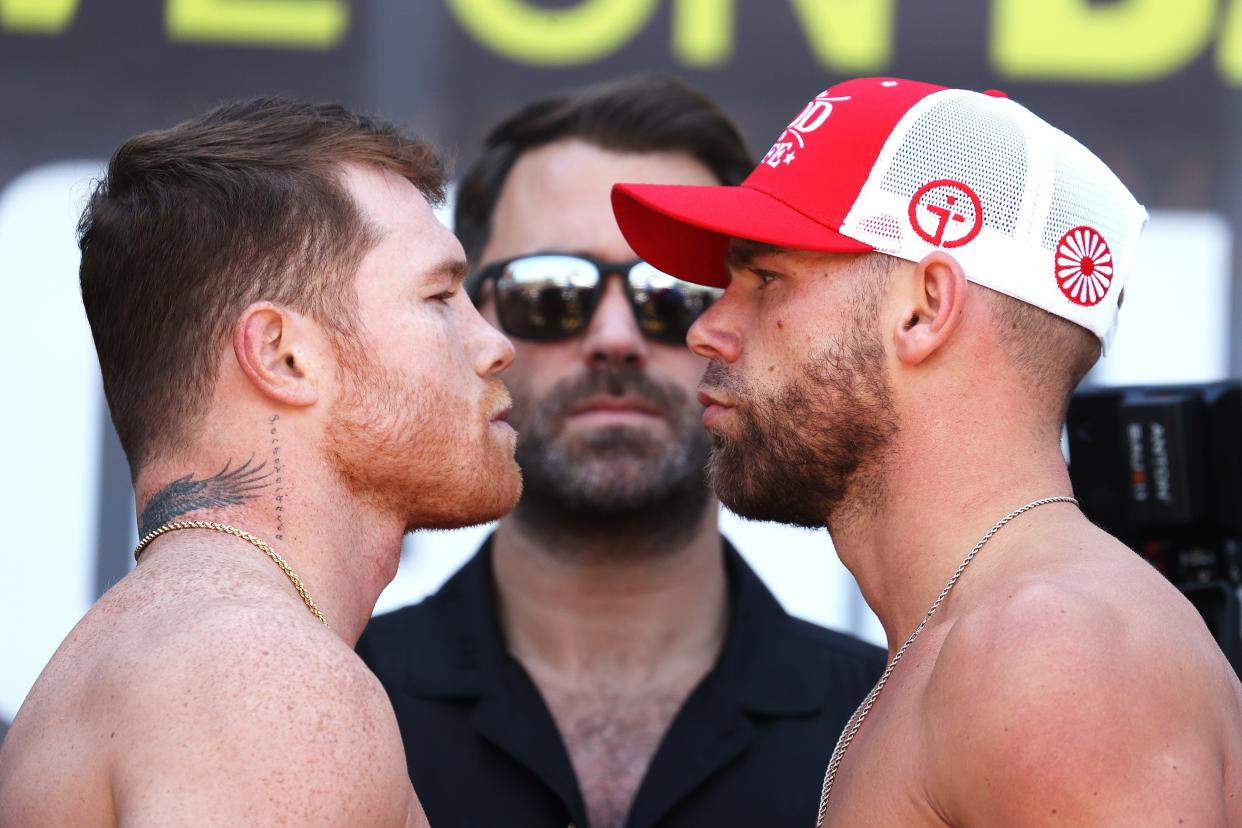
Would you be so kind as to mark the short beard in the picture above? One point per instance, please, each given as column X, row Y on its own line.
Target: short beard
column 401, row 451
column 617, row 489
column 809, row 454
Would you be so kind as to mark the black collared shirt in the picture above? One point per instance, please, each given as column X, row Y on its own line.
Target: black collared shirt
column 748, row 747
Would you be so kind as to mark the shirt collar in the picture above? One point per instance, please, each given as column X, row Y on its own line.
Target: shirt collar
column 770, row 659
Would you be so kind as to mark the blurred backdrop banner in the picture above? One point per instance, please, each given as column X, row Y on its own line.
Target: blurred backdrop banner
column 1152, row 86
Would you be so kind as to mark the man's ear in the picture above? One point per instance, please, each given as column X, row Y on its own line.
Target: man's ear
column 932, row 300
column 274, row 348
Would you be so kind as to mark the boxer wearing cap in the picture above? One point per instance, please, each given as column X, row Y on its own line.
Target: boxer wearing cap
column 917, row 278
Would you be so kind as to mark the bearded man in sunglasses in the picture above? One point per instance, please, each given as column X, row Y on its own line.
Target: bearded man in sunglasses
column 607, row 658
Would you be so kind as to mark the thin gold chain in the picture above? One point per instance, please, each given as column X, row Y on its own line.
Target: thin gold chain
column 855, row 722
column 246, row 536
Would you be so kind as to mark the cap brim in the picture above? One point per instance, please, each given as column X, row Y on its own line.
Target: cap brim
column 685, row 230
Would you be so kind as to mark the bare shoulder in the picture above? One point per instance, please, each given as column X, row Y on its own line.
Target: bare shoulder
column 251, row 717
column 1086, row 691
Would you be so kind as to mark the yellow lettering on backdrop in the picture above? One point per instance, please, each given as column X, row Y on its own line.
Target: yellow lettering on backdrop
column 525, row 33
column 297, row 24
column 848, row 35
column 1126, row 41
column 47, row 17
column 1229, row 50
column 702, row 32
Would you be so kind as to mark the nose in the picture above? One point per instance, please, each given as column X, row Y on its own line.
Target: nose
column 613, row 338
column 716, row 334
column 494, row 352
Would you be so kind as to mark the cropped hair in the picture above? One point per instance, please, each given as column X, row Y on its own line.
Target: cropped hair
column 642, row 113
column 192, row 224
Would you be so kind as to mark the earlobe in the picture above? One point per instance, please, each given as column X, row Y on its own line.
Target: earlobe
column 933, row 307
column 267, row 348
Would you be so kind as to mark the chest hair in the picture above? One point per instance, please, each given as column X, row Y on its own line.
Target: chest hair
column 611, row 738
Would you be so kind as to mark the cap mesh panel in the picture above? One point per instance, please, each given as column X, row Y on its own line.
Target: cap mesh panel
column 963, row 139
column 1034, row 183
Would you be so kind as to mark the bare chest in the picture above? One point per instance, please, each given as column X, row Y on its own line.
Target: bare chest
column 611, row 739
column 883, row 778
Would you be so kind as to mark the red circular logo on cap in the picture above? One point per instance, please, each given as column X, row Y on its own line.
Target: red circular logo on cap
column 946, row 213
column 1084, row 266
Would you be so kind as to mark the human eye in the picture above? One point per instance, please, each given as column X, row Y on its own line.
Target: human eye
column 765, row 278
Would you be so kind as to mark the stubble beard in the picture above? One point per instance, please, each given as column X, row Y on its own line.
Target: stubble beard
column 812, row 453
column 615, row 491
column 416, row 453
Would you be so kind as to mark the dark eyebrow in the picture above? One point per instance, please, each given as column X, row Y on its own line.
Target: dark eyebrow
column 742, row 252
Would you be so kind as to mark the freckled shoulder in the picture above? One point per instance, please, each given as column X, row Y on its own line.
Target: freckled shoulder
column 261, row 720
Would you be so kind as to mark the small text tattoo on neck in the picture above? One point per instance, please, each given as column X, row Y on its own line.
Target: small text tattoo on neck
column 227, row 487
column 278, row 469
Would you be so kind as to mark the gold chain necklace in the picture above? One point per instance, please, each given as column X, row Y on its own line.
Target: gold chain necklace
column 855, row 721
column 246, row 536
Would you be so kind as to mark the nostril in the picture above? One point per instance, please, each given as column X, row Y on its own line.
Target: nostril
column 628, row 359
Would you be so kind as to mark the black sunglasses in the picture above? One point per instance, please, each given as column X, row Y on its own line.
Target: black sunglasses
column 551, row 296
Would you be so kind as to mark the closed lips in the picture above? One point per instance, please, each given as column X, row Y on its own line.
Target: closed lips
column 707, row 401
column 615, row 404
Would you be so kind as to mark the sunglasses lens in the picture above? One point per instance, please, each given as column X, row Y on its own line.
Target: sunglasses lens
column 546, row 297
column 666, row 306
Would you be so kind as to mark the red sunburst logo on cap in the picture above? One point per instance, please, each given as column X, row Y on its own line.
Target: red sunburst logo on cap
column 1084, row 266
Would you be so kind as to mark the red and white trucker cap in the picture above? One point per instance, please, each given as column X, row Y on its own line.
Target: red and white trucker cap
column 905, row 168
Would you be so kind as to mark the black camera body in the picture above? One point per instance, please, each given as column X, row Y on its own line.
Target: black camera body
column 1160, row 467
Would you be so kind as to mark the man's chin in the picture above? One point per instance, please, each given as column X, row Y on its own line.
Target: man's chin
column 764, row 511
column 751, row 491
column 493, row 498
column 740, row 501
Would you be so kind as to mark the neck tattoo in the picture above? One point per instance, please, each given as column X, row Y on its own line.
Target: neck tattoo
column 856, row 721
column 246, row 536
